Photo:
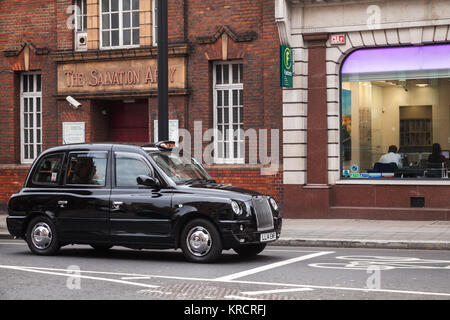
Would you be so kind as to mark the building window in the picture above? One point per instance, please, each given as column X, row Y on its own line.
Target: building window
column 31, row 116
column 228, row 112
column 81, row 16
column 154, row 23
column 119, row 23
column 395, row 113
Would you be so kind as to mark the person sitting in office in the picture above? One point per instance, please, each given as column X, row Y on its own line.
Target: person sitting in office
column 392, row 157
column 436, row 162
column 436, row 156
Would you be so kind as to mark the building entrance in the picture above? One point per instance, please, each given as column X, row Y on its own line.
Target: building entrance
column 129, row 121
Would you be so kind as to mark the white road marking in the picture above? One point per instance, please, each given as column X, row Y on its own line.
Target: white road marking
column 80, row 276
column 239, row 298
column 271, row 266
column 253, row 283
column 135, row 278
column 154, row 291
column 254, row 293
column 444, row 294
column 384, row 263
column 113, row 273
column 287, row 250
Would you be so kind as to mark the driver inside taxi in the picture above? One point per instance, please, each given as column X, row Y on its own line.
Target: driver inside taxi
column 84, row 172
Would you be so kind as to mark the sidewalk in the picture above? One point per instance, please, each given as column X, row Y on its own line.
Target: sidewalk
column 352, row 233
column 355, row 233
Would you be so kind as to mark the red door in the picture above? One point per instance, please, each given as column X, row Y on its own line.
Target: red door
column 129, row 121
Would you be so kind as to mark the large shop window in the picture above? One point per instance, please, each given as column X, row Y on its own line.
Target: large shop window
column 395, row 113
column 228, row 112
column 30, row 116
column 119, row 23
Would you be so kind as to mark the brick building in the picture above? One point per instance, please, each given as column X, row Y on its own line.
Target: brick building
column 223, row 71
column 369, row 74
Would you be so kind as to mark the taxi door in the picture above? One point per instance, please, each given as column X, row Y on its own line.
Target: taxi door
column 139, row 214
column 83, row 201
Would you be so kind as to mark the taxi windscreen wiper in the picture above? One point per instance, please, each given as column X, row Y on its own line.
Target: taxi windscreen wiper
column 198, row 180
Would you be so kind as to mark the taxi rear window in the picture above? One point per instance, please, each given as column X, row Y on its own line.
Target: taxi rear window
column 48, row 170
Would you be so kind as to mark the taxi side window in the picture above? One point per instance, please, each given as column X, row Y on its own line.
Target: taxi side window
column 87, row 168
column 48, row 170
column 128, row 168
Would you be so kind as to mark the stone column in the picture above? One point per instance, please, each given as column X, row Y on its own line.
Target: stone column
column 317, row 187
column 93, row 24
column 145, row 21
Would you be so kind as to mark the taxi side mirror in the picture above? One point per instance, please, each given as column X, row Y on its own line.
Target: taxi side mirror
column 147, row 181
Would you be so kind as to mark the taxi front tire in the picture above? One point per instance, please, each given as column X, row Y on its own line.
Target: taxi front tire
column 201, row 241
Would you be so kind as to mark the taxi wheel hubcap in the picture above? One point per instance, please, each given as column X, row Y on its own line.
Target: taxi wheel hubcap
column 41, row 235
column 199, row 241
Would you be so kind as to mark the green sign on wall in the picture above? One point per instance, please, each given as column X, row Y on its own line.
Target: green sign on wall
column 286, row 66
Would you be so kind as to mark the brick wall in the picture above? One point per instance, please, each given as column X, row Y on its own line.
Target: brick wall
column 12, row 179
column 44, row 24
column 177, row 110
column 33, row 22
column 262, row 95
column 250, row 178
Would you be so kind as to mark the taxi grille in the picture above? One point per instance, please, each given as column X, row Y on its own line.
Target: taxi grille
column 263, row 213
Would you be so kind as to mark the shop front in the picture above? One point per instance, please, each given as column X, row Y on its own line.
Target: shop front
column 372, row 89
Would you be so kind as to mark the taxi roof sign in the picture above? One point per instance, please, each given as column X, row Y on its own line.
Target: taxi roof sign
column 165, row 145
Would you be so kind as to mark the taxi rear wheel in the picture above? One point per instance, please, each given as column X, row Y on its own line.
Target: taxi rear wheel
column 200, row 241
column 250, row 250
column 42, row 237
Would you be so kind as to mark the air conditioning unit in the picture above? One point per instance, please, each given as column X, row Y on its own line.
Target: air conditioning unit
column 81, row 40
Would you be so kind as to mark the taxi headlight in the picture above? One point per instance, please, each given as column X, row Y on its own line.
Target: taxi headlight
column 274, row 204
column 236, row 207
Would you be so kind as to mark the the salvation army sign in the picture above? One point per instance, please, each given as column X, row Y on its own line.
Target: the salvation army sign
column 116, row 76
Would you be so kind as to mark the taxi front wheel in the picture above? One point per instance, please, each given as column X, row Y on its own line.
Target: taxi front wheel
column 200, row 241
column 250, row 250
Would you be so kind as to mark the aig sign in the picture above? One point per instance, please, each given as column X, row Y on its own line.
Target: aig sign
column 286, row 66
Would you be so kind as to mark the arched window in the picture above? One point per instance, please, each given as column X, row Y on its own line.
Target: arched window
column 395, row 109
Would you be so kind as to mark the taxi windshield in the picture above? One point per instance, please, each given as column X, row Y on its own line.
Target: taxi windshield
column 181, row 170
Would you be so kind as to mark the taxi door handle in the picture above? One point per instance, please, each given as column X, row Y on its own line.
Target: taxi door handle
column 116, row 205
column 62, row 203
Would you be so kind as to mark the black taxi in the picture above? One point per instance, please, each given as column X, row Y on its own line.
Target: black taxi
column 146, row 197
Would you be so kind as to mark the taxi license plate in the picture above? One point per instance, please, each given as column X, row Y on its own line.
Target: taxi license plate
column 264, row 237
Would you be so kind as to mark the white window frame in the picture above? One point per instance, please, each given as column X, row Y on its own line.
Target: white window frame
column 82, row 14
column 34, row 95
column 154, row 24
column 230, row 87
column 121, row 45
